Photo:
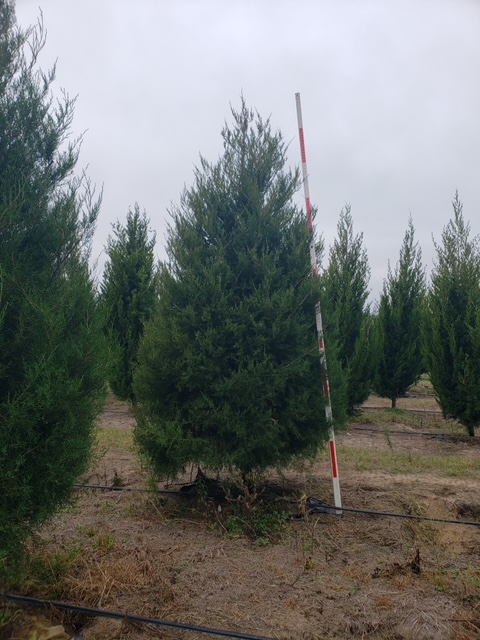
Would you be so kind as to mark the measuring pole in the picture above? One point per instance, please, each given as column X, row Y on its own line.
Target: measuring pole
column 318, row 314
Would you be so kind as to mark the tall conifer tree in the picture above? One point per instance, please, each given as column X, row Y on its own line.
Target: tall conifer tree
column 400, row 359
column 452, row 322
column 345, row 284
column 229, row 373
column 51, row 345
column 128, row 296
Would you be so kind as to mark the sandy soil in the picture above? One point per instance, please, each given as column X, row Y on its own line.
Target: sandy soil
column 322, row 576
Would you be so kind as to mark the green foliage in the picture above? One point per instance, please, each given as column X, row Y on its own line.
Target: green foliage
column 128, row 296
column 452, row 323
column 8, row 615
column 51, row 345
column 105, row 542
column 400, row 359
column 229, row 373
column 260, row 521
column 362, row 364
column 345, row 284
column 45, row 569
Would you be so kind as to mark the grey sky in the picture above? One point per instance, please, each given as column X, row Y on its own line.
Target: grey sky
column 390, row 94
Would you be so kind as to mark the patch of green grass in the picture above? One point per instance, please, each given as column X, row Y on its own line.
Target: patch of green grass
column 418, row 420
column 385, row 417
column 8, row 614
column 183, row 564
column 105, row 542
column 45, row 570
column 87, row 531
column 235, row 525
column 260, row 522
column 269, row 525
column 446, row 579
column 423, row 386
column 108, row 438
column 401, row 462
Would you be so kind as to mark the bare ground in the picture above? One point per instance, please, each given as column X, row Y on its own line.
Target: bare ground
column 321, row 576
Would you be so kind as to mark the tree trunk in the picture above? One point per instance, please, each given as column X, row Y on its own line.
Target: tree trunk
column 394, row 403
column 471, row 430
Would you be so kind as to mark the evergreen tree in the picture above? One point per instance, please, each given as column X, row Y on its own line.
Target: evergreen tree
column 400, row 360
column 128, row 296
column 229, row 373
column 345, row 283
column 452, row 323
column 51, row 344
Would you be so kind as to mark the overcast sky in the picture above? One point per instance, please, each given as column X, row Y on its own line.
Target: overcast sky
column 390, row 93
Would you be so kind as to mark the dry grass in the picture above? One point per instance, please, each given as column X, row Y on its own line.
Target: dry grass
column 423, row 386
column 114, row 438
column 452, row 466
column 321, row 576
column 381, row 416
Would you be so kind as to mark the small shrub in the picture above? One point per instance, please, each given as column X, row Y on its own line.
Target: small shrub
column 257, row 520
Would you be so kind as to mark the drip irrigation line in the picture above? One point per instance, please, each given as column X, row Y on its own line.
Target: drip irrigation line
column 406, row 409
column 406, row 433
column 419, row 395
column 106, row 487
column 318, row 506
column 313, row 505
column 103, row 613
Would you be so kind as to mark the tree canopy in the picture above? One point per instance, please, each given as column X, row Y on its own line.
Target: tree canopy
column 128, row 296
column 400, row 360
column 51, row 346
column 345, row 282
column 452, row 322
column 229, row 373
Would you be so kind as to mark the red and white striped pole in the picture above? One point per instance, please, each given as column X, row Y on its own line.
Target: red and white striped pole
column 318, row 314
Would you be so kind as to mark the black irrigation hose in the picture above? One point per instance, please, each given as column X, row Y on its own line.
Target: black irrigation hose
column 132, row 618
column 406, row 433
column 313, row 505
column 419, row 395
column 434, row 412
column 106, row 487
column 317, row 506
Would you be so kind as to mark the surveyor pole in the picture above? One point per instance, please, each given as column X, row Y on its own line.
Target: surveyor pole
column 318, row 314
